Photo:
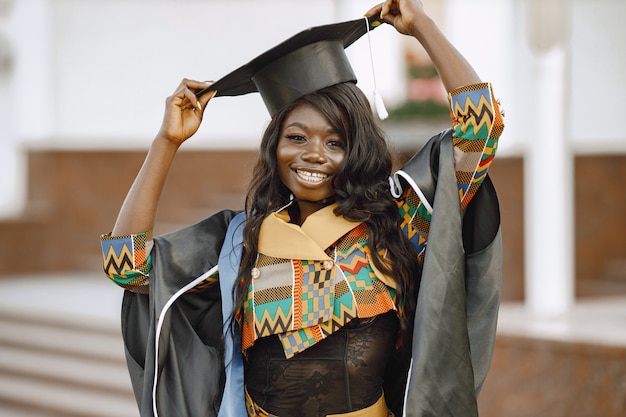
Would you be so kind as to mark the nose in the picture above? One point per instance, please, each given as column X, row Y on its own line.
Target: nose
column 314, row 152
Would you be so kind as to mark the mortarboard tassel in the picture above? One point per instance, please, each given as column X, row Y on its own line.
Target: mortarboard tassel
column 380, row 106
column 378, row 100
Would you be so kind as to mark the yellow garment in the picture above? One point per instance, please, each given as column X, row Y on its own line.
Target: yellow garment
column 378, row 409
column 281, row 239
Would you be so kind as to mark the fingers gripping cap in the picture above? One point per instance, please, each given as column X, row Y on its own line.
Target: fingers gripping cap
column 309, row 61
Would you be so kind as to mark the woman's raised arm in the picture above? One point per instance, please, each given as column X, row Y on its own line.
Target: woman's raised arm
column 182, row 118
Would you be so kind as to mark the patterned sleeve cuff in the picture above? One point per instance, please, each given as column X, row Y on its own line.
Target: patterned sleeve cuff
column 475, row 113
column 477, row 126
column 127, row 259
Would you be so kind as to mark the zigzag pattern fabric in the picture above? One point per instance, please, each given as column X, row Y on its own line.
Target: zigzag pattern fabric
column 314, row 298
column 127, row 259
column 477, row 125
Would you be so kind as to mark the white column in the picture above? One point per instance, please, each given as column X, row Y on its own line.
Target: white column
column 35, row 78
column 11, row 160
column 26, row 91
column 548, row 167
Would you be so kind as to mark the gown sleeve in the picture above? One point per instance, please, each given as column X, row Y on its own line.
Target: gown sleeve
column 129, row 260
column 477, row 124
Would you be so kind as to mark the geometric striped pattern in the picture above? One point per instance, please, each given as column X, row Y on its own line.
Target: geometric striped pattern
column 304, row 301
column 126, row 259
column 204, row 284
column 415, row 220
column 269, row 307
column 477, row 125
column 316, row 297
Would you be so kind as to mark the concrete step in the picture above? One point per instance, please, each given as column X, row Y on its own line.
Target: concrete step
column 55, row 364
column 55, row 335
column 17, row 411
column 65, row 369
column 34, row 397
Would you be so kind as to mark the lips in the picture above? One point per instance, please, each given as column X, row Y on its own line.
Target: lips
column 311, row 177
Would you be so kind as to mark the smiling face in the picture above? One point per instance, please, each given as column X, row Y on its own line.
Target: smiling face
column 309, row 154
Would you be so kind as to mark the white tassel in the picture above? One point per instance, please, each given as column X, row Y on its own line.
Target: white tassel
column 380, row 106
column 378, row 100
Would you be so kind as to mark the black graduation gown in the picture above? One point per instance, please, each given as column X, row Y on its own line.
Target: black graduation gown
column 455, row 321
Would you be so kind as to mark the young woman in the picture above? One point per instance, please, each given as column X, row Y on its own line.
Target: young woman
column 332, row 293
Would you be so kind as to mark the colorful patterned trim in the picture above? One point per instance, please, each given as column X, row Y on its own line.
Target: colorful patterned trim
column 415, row 219
column 208, row 282
column 126, row 259
column 477, row 125
column 304, row 301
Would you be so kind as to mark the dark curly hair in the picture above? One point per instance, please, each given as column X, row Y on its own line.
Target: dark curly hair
column 361, row 185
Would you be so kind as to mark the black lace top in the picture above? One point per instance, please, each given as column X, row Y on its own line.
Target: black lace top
column 342, row 373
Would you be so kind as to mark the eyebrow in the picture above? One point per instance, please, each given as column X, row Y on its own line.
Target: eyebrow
column 297, row 124
column 305, row 127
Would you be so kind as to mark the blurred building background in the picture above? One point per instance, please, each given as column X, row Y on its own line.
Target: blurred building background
column 82, row 89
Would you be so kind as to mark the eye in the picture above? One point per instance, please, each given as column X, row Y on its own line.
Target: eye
column 295, row 137
column 336, row 144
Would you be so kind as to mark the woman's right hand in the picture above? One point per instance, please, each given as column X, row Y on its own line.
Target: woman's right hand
column 183, row 115
column 183, row 111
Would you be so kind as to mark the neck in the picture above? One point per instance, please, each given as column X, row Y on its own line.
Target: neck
column 308, row 207
column 323, row 202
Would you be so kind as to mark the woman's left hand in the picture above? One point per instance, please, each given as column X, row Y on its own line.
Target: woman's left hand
column 409, row 18
column 402, row 14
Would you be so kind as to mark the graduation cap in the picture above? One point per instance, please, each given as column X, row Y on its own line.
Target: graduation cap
column 308, row 61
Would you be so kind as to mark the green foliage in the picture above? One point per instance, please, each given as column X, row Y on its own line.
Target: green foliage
column 414, row 71
column 419, row 109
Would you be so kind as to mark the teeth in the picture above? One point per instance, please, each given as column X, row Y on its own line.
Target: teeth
column 311, row 176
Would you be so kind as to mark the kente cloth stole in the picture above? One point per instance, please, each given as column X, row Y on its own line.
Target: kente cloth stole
column 303, row 299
